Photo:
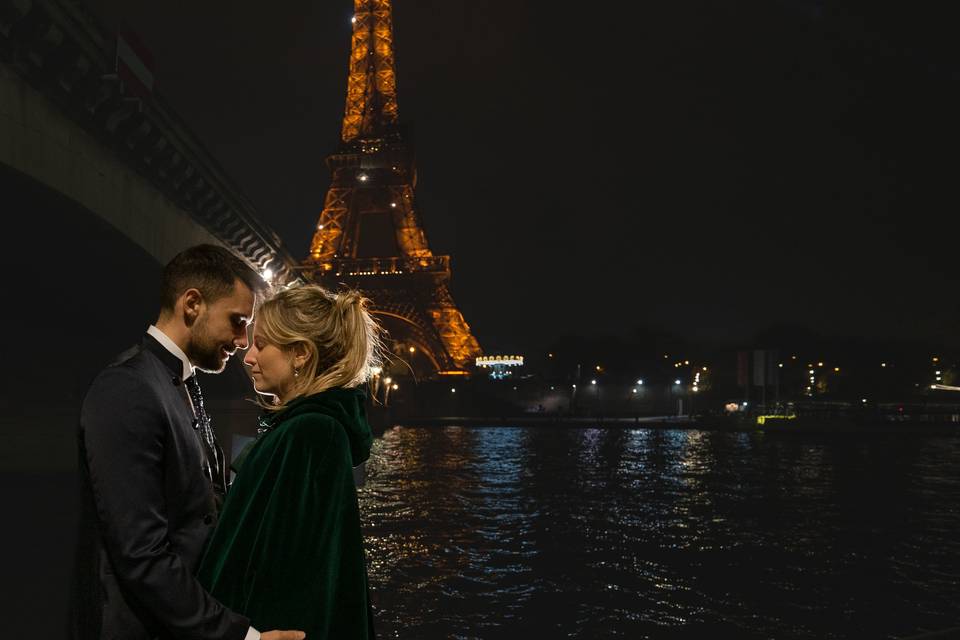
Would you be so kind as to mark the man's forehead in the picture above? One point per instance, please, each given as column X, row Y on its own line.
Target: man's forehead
column 240, row 301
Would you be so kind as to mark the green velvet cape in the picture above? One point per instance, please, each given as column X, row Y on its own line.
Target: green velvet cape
column 287, row 551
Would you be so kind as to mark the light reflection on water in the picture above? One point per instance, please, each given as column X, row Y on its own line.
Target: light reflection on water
column 594, row 533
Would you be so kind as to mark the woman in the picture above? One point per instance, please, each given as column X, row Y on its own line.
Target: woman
column 288, row 551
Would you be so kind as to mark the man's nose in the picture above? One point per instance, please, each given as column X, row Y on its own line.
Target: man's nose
column 241, row 339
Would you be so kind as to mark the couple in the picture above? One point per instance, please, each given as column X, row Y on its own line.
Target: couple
column 164, row 550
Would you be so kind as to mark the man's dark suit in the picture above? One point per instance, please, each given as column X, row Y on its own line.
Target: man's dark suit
column 147, row 509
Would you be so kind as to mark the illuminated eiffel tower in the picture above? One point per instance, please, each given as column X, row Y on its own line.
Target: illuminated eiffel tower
column 369, row 234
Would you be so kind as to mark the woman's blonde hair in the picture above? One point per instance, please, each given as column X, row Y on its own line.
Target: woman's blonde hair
column 341, row 337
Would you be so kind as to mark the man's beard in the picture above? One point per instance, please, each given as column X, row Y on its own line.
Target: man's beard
column 205, row 353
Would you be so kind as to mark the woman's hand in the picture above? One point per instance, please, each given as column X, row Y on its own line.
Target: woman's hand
column 283, row 635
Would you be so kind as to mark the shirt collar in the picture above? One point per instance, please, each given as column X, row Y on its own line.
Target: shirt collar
column 172, row 347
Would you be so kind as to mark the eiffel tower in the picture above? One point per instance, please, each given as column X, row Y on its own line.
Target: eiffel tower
column 369, row 235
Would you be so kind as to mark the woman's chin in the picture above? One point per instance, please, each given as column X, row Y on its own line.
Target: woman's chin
column 263, row 390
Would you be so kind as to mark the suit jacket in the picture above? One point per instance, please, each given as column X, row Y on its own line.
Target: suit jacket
column 147, row 508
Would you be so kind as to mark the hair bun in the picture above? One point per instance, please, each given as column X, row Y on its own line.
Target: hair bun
column 349, row 297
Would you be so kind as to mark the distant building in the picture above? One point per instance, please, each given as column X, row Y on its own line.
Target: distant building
column 500, row 366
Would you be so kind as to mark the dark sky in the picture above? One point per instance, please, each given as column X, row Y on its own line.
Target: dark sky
column 710, row 168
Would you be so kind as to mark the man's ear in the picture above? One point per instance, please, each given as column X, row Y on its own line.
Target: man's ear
column 192, row 303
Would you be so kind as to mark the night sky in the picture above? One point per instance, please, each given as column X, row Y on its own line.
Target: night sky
column 706, row 168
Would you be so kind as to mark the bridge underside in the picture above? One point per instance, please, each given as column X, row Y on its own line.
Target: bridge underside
column 79, row 293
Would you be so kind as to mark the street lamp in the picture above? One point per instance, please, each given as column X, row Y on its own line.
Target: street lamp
column 386, row 393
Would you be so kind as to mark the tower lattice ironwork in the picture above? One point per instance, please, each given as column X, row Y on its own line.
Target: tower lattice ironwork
column 369, row 235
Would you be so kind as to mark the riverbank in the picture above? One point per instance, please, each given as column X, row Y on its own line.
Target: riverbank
column 701, row 423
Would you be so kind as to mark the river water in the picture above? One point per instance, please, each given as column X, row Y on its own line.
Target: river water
column 555, row 532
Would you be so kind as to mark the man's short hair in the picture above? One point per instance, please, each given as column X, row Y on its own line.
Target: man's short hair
column 210, row 269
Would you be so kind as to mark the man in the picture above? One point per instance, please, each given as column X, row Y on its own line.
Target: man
column 152, row 474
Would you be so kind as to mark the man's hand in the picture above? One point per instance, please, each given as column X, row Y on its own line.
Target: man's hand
column 283, row 635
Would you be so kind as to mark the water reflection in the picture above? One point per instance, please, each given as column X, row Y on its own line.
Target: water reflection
column 514, row 532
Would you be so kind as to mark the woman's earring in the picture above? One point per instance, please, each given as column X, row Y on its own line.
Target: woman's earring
column 296, row 373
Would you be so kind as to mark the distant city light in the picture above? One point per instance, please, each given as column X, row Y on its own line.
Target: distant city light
column 395, row 387
column 677, row 381
column 780, row 365
column 320, row 227
column 353, row 19
column 634, row 390
column 593, row 382
column 452, row 390
column 836, row 369
column 864, row 400
column 819, row 364
column 506, row 361
column 499, row 365
column 640, row 381
column 393, row 204
column 362, row 177
column 412, row 349
column 387, row 380
column 883, row 364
